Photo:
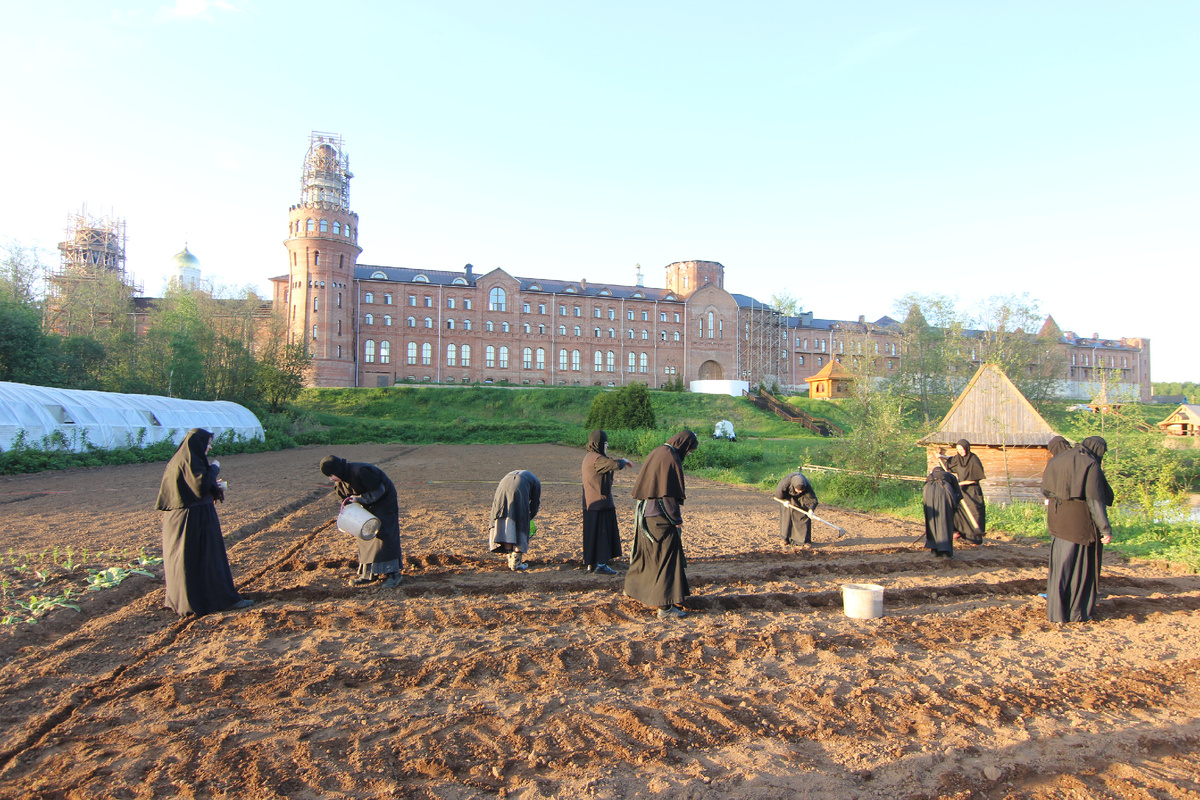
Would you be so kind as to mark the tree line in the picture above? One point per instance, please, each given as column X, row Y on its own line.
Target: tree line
column 88, row 331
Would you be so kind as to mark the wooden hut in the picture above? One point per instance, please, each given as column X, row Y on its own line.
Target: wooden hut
column 1184, row 421
column 830, row 382
column 1004, row 430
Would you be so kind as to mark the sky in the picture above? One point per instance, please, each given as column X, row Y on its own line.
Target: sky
column 847, row 154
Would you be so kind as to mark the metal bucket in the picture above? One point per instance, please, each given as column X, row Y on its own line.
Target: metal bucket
column 862, row 600
column 357, row 521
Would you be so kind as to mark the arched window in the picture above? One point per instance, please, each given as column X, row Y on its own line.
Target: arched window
column 596, row 312
column 562, row 360
column 324, row 226
column 711, row 326
column 385, row 352
column 426, row 354
column 387, row 299
column 575, row 361
column 576, row 330
column 451, row 355
column 677, row 336
column 466, row 355
column 503, row 358
column 525, row 327
column 645, row 334
column 542, row 329
column 467, row 324
column 599, row 361
column 489, row 356
column 664, row 336
column 314, row 331
column 643, row 362
column 504, row 327
column 337, row 228
column 369, row 351
column 631, row 333
column 429, row 322
column 450, row 324
column 610, row 364
column 369, row 297
column 412, row 353
column 308, row 226
column 612, row 313
column 562, row 330
column 369, row 319
column 496, row 299
column 316, row 303
column 412, row 322
column 527, row 358
column 489, row 326
column 632, row 361
column 597, row 330
column 541, row 358
column 316, row 258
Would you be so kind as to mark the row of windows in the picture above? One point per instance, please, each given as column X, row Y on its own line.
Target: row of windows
column 312, row 226
column 460, row 355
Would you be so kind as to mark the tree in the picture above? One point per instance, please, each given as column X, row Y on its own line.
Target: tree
column 929, row 340
column 785, row 304
column 22, row 344
column 21, row 271
column 281, row 374
column 877, row 443
column 628, row 407
column 1009, row 339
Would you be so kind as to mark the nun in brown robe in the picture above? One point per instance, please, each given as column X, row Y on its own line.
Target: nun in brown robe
column 195, row 564
column 795, row 489
column 601, row 538
column 657, row 573
column 940, row 500
column 379, row 559
column 1078, row 497
column 968, row 469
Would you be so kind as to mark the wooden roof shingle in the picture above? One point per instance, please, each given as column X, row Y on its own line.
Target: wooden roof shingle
column 992, row 411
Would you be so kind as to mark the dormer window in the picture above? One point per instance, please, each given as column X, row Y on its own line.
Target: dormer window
column 420, row 279
column 378, row 276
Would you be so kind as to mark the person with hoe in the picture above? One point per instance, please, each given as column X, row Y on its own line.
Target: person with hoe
column 971, row 515
column 366, row 484
column 798, row 496
column 657, row 573
column 195, row 563
column 601, row 538
column 940, row 500
column 516, row 503
column 1078, row 496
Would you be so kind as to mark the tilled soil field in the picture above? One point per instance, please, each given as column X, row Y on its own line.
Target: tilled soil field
column 470, row 680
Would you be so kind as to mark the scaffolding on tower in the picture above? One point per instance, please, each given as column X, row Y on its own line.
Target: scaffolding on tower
column 325, row 177
column 761, row 342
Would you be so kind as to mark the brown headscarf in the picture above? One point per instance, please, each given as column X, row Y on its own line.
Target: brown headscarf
column 1058, row 445
column 187, row 478
column 662, row 473
column 596, row 441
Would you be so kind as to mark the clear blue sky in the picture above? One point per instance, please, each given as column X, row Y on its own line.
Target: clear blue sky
column 846, row 153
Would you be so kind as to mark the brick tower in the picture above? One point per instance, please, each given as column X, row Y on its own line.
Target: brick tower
column 685, row 277
column 323, row 249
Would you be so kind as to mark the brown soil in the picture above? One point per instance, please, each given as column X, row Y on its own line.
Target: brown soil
column 472, row 680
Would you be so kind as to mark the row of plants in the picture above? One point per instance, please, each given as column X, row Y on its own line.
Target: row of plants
column 35, row 584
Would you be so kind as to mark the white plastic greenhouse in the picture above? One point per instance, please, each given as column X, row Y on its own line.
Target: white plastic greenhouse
column 108, row 420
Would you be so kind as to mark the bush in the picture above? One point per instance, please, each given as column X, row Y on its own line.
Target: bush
column 627, row 407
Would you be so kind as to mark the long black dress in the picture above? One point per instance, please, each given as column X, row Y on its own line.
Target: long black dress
column 657, row 573
column 377, row 493
column 940, row 499
column 195, row 564
column 795, row 489
column 601, row 537
column 1078, row 495
column 969, row 468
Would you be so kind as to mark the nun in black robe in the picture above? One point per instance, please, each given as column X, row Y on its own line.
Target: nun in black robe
column 601, row 538
column 195, row 564
column 795, row 489
column 370, row 487
column 1078, row 496
column 516, row 502
column 940, row 498
column 657, row 573
column 968, row 469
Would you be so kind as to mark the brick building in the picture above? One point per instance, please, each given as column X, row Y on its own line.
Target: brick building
column 369, row 325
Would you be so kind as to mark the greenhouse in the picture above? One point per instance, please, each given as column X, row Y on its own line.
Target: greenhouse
column 73, row 419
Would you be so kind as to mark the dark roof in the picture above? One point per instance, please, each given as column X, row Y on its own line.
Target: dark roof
column 746, row 301
column 615, row 290
column 437, row 277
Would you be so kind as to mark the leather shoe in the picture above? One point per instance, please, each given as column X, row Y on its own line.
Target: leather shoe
column 604, row 569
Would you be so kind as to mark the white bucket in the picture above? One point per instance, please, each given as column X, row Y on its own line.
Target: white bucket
column 862, row 600
column 357, row 521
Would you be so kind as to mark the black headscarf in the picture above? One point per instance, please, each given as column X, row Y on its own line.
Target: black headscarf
column 966, row 467
column 1067, row 475
column 596, row 441
column 187, row 478
column 1058, row 445
column 1096, row 446
column 334, row 467
column 662, row 473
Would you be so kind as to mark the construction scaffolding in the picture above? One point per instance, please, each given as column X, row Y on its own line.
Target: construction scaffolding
column 93, row 248
column 326, row 173
column 762, row 339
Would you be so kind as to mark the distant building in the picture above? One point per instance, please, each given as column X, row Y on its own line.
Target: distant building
column 374, row 325
column 185, row 270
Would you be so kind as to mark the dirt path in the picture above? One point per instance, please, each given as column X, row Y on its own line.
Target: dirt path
column 471, row 680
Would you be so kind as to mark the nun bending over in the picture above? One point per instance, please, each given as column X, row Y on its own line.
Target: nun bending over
column 516, row 503
column 195, row 564
column 370, row 487
column 795, row 490
column 940, row 499
column 657, row 575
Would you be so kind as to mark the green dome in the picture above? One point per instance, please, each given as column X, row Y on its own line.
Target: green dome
column 184, row 258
